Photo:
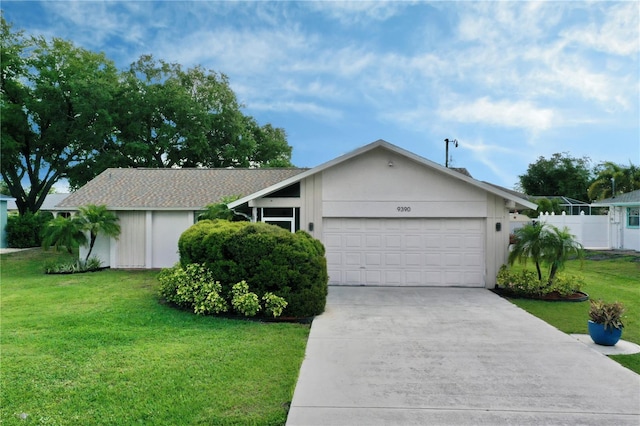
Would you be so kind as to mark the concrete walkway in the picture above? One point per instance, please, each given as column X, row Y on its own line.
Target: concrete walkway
column 452, row 356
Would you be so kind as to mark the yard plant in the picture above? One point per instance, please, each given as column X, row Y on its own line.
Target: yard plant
column 544, row 244
column 100, row 348
column 609, row 276
column 268, row 258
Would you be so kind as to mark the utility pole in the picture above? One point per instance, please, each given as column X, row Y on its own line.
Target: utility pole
column 455, row 144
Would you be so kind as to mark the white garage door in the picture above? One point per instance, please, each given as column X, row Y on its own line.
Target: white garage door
column 405, row 252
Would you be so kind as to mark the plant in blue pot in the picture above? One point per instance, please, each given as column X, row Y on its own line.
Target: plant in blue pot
column 605, row 325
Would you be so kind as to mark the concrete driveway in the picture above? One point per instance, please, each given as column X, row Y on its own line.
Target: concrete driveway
column 452, row 356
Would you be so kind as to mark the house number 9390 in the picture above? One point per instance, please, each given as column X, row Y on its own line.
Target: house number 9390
column 404, row 209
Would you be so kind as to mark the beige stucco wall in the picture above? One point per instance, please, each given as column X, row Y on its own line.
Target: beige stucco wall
column 496, row 242
column 384, row 184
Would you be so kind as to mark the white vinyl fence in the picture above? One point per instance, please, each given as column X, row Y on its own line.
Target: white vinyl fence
column 591, row 231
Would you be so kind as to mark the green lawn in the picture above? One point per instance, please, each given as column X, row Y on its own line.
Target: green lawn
column 99, row 348
column 614, row 278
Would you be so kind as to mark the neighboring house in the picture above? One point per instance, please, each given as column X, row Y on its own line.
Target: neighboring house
column 624, row 220
column 48, row 205
column 4, row 200
column 385, row 215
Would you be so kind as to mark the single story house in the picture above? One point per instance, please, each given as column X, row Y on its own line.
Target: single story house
column 624, row 220
column 4, row 200
column 385, row 215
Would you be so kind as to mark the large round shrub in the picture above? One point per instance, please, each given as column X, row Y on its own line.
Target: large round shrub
column 268, row 258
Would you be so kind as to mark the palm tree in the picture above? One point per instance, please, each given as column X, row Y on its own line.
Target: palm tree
column 98, row 220
column 528, row 245
column 63, row 232
column 558, row 246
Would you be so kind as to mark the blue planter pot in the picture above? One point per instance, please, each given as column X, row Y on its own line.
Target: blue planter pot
column 599, row 335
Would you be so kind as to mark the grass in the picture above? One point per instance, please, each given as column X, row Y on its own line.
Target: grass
column 99, row 348
column 612, row 277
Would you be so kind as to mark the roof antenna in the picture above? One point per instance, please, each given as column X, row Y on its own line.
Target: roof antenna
column 455, row 144
column 613, row 187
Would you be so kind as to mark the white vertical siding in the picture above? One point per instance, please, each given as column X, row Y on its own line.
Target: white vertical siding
column 132, row 242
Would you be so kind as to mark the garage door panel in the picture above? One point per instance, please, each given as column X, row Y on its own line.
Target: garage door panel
column 413, row 278
column 353, row 259
column 354, row 240
column 353, row 276
column 393, row 259
column 373, row 241
column 434, row 252
column 433, row 259
column 453, row 260
column 433, row 278
column 413, row 242
column 393, row 241
column 433, row 241
column 393, row 277
column 373, row 277
column 413, row 259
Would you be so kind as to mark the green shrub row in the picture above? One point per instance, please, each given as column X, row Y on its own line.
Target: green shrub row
column 194, row 288
column 25, row 231
column 270, row 260
column 526, row 283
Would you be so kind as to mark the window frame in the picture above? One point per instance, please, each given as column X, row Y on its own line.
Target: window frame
column 633, row 213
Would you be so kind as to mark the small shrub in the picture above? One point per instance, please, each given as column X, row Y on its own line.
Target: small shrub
column 273, row 305
column 607, row 314
column 192, row 287
column 244, row 301
column 566, row 285
column 93, row 264
column 525, row 283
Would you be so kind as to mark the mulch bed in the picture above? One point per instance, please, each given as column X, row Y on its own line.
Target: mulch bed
column 554, row 296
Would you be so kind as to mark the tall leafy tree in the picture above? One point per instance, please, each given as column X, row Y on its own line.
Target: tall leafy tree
column 560, row 175
column 608, row 175
column 173, row 117
column 55, row 104
column 67, row 113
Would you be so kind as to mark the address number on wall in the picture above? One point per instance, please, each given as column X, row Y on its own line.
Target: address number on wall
column 403, row 209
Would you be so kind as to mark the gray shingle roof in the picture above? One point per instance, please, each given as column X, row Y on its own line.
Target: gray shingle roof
column 632, row 197
column 182, row 189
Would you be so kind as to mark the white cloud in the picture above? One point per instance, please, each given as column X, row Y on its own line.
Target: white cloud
column 358, row 12
column 493, row 157
column 506, row 113
column 300, row 108
column 617, row 33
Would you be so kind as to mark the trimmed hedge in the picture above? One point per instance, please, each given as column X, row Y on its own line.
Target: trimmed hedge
column 267, row 257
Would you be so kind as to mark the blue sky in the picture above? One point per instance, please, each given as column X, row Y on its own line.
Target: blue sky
column 511, row 81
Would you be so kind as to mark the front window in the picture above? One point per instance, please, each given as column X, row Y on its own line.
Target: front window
column 633, row 217
column 284, row 217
